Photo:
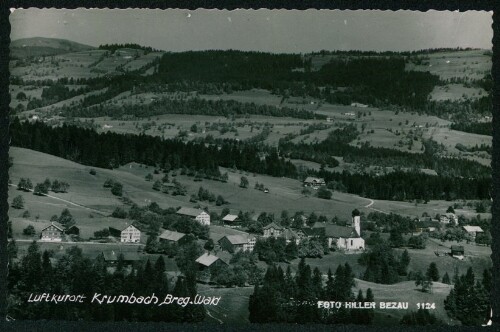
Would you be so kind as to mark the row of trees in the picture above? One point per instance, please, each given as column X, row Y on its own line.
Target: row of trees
column 73, row 273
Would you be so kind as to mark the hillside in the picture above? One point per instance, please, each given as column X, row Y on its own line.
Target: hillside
column 39, row 46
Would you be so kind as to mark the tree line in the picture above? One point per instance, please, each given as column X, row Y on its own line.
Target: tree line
column 287, row 298
column 73, row 273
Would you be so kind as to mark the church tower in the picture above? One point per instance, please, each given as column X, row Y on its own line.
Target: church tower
column 356, row 221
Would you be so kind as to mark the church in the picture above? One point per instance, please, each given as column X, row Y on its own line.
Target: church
column 347, row 238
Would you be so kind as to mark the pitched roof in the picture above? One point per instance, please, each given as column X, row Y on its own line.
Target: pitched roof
column 313, row 231
column 185, row 211
column 237, row 239
column 473, row 229
column 230, row 217
column 311, row 179
column 288, row 234
column 135, row 226
column 459, row 248
column 337, row 231
column 171, row 235
column 56, row 225
column 208, row 259
column 272, row 225
column 319, row 224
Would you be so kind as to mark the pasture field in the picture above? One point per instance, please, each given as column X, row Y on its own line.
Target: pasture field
column 456, row 92
column 474, row 64
column 233, row 305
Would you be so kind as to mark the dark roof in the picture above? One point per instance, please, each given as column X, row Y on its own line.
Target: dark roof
column 429, row 223
column 237, row 239
column 272, row 225
column 56, row 225
column 185, row 211
column 337, row 231
column 457, row 248
column 313, row 231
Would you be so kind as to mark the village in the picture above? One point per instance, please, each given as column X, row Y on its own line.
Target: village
column 229, row 237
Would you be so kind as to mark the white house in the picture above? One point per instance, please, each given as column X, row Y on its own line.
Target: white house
column 131, row 234
column 52, row 233
column 273, row 230
column 448, row 218
column 238, row 242
column 199, row 215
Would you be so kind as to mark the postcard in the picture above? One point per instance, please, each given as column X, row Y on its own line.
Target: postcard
column 241, row 167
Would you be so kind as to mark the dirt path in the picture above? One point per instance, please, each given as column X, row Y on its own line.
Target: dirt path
column 369, row 206
column 69, row 202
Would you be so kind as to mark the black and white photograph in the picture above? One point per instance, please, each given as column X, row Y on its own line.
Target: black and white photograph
column 241, row 167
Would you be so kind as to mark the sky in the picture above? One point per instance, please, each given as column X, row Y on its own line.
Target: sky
column 278, row 31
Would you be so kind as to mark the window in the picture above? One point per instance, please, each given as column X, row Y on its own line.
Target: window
column 352, row 242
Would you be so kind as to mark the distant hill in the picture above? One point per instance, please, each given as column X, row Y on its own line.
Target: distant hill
column 39, row 46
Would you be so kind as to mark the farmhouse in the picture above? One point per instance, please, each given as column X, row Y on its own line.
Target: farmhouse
column 199, row 215
column 208, row 260
column 112, row 257
column 131, row 234
column 230, row 219
column 291, row 235
column 428, row 225
column 473, row 230
column 314, row 182
column 359, row 105
column 312, row 233
column 173, row 237
column 457, row 251
column 235, row 243
column 52, row 233
column 448, row 218
column 272, row 230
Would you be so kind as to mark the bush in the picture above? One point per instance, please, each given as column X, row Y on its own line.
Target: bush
column 26, row 214
column 18, row 202
column 117, row 189
column 324, row 193
column 119, row 212
column 92, row 171
column 102, row 233
column 30, row 230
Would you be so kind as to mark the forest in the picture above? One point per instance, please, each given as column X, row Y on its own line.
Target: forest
column 110, row 150
column 288, row 298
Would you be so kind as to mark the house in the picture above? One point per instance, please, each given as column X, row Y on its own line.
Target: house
column 448, row 218
column 290, row 235
column 173, row 237
column 131, row 234
column 197, row 214
column 473, row 230
column 111, row 257
column 230, row 219
column 312, row 233
column 359, row 105
column 52, row 233
column 272, row 229
column 313, row 182
column 207, row 260
column 428, row 225
column 457, row 251
column 239, row 242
